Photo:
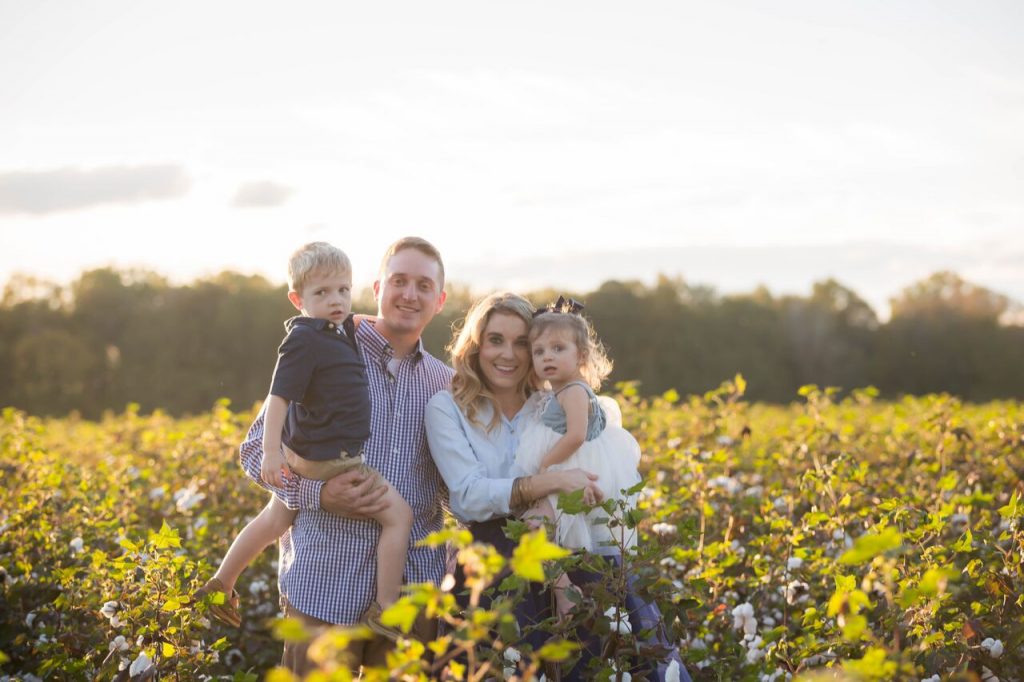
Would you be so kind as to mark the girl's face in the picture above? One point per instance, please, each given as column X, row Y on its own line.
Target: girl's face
column 556, row 357
column 504, row 352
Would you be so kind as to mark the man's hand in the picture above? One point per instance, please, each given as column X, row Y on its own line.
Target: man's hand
column 353, row 494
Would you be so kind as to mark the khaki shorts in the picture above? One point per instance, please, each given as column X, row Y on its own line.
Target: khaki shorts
column 322, row 470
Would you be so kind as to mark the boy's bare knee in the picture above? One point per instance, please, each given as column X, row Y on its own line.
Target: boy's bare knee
column 398, row 513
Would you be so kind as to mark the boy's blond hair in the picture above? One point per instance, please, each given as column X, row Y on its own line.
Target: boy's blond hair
column 315, row 257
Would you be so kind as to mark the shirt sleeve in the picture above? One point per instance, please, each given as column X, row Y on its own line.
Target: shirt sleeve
column 298, row 493
column 473, row 494
column 296, row 362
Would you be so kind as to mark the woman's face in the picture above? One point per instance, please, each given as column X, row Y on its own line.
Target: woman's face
column 504, row 352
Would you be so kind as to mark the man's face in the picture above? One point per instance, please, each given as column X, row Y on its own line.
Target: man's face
column 408, row 293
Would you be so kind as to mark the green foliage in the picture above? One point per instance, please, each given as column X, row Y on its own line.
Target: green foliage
column 114, row 337
column 882, row 540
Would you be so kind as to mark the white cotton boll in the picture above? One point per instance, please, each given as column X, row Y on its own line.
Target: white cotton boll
column 743, row 618
column 987, row 675
column 933, row 678
column 698, row 644
column 30, row 618
column 993, row 646
column 726, row 483
column 959, row 520
column 769, row 622
column 780, row 504
column 838, row 534
column 663, row 529
column 119, row 644
column 157, row 493
column 76, row 545
column 795, row 590
column 724, row 440
column 115, row 621
column 186, row 498
column 512, row 655
column 140, row 665
column 110, row 608
column 754, row 491
column 794, row 563
column 738, row 548
column 257, row 586
column 619, row 621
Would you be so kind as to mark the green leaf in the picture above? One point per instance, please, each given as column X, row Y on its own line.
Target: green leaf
column 402, row 614
column 167, row 649
column 290, row 630
column 557, row 651
column 965, row 543
column 167, row 537
column 533, row 550
column 171, row 604
column 458, row 537
column 854, row 627
column 572, row 503
column 1013, row 509
column 280, row 674
column 741, row 384
column 868, row 546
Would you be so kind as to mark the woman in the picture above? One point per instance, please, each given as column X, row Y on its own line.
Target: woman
column 472, row 431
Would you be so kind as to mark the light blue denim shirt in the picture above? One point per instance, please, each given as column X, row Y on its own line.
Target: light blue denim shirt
column 477, row 465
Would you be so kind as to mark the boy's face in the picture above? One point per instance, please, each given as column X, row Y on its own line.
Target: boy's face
column 325, row 295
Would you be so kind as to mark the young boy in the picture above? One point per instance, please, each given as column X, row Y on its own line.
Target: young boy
column 317, row 420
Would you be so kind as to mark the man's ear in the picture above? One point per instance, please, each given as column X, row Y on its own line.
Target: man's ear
column 376, row 290
column 296, row 299
column 440, row 301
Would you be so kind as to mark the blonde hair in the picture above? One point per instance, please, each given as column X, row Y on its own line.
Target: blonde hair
column 315, row 257
column 421, row 245
column 595, row 366
column 469, row 388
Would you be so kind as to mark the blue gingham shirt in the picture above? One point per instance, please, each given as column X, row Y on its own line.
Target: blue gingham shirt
column 328, row 563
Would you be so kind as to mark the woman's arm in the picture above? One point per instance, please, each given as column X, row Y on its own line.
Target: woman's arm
column 576, row 404
column 528, row 489
column 475, row 494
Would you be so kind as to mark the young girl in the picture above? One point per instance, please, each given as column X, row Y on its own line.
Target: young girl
column 574, row 428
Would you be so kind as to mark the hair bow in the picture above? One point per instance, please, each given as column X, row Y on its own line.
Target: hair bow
column 563, row 305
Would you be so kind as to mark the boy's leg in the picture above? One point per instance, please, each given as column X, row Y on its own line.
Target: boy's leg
column 267, row 527
column 393, row 547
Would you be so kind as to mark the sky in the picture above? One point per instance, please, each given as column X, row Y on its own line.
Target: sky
column 733, row 144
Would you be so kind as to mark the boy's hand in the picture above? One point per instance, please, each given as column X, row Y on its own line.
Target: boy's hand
column 273, row 470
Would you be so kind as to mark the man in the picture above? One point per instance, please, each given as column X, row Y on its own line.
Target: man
column 327, row 559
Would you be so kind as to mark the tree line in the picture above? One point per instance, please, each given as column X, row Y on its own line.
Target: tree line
column 114, row 337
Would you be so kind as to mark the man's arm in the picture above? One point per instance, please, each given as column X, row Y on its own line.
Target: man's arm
column 350, row 494
column 296, row 493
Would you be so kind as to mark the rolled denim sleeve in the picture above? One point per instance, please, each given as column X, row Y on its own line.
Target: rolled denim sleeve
column 470, row 461
column 298, row 493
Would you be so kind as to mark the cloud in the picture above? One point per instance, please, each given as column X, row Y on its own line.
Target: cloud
column 69, row 189
column 261, row 194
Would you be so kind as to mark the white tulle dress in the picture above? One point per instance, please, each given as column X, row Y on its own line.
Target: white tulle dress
column 609, row 451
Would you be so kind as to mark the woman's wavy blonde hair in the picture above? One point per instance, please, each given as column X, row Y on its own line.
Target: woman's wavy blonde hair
column 469, row 388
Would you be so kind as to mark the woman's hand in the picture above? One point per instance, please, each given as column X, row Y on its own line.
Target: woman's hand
column 572, row 480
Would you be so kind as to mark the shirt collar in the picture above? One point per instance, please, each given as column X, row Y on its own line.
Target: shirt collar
column 375, row 342
column 312, row 322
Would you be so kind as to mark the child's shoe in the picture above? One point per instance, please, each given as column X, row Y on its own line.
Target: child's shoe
column 371, row 618
column 228, row 611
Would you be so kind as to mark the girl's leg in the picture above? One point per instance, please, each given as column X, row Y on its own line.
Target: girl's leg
column 267, row 527
column 393, row 547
